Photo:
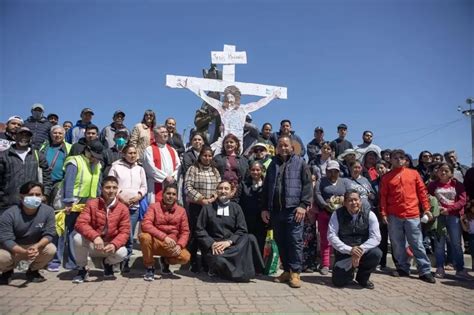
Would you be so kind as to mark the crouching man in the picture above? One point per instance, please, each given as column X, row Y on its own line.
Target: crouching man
column 165, row 232
column 354, row 234
column 26, row 231
column 103, row 229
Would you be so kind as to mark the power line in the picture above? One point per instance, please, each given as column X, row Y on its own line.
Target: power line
column 433, row 131
column 417, row 129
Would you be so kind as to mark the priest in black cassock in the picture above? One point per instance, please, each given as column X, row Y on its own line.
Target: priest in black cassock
column 230, row 252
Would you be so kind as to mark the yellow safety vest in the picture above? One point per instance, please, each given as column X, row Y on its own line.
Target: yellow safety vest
column 87, row 180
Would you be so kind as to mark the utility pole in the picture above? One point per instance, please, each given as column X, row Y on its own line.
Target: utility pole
column 470, row 113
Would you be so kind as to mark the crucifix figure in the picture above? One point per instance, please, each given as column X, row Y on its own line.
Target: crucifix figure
column 231, row 111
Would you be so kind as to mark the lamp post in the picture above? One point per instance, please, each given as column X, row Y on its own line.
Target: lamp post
column 470, row 113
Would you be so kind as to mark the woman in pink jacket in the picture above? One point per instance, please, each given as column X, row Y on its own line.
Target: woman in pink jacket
column 132, row 188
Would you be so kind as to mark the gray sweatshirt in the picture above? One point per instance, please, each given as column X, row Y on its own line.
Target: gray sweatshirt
column 18, row 228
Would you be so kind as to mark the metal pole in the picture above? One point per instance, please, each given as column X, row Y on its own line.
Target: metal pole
column 470, row 112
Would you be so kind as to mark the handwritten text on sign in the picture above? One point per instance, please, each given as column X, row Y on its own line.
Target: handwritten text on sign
column 229, row 57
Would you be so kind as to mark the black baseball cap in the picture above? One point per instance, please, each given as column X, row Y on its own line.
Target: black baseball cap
column 96, row 148
column 87, row 110
column 318, row 128
column 342, row 126
column 119, row 111
column 53, row 115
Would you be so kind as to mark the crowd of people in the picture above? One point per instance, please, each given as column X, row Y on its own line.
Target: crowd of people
column 72, row 191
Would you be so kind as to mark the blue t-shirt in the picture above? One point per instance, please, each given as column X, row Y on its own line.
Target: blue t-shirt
column 57, row 173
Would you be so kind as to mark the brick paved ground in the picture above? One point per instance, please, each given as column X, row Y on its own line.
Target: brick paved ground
column 185, row 293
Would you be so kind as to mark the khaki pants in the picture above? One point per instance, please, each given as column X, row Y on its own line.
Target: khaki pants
column 8, row 261
column 83, row 248
column 152, row 246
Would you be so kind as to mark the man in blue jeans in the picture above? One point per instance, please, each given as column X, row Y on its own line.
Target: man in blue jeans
column 402, row 191
column 287, row 194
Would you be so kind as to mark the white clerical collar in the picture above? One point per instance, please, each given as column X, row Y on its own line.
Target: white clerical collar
column 223, row 210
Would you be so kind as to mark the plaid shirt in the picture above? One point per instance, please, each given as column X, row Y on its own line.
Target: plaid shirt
column 201, row 182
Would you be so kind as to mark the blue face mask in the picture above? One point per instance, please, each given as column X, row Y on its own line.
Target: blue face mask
column 32, row 202
column 120, row 142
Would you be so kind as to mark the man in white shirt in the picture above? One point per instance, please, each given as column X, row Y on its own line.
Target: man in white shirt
column 161, row 163
column 354, row 234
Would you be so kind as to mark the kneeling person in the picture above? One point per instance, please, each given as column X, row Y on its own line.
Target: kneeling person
column 230, row 252
column 26, row 232
column 354, row 234
column 103, row 229
column 165, row 232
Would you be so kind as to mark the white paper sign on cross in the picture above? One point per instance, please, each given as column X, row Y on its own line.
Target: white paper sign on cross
column 228, row 58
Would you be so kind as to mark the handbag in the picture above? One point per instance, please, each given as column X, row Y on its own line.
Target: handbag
column 270, row 255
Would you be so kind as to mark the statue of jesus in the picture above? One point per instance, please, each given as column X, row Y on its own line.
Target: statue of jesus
column 232, row 113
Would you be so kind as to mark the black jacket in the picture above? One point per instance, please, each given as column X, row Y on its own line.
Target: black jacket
column 14, row 173
column 176, row 141
column 40, row 129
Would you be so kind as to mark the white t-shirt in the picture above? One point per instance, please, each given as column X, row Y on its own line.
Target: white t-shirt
column 22, row 154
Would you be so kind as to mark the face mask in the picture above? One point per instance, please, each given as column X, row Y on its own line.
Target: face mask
column 32, row 202
column 37, row 115
column 120, row 142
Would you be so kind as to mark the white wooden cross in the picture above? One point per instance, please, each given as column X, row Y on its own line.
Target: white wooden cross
column 228, row 58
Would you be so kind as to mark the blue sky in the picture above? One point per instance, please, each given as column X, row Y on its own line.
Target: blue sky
column 399, row 68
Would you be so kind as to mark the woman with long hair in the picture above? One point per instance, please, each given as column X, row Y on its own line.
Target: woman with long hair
column 132, row 188
column 200, row 188
column 142, row 134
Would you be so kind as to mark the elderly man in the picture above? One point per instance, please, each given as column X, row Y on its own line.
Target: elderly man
column 20, row 164
column 161, row 163
column 39, row 125
column 340, row 144
column 174, row 138
column 103, row 229
column 402, row 193
column 26, row 231
column 7, row 138
column 354, row 234
column 287, row 194
column 165, row 232
column 56, row 152
column 107, row 135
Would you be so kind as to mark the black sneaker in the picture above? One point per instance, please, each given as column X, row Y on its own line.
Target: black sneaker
column 367, row 285
column 6, row 277
column 165, row 268
column 428, row 278
column 108, row 270
column 399, row 273
column 149, row 274
column 195, row 268
column 125, row 266
column 34, row 276
column 82, row 275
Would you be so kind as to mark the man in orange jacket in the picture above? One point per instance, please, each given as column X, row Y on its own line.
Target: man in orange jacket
column 402, row 191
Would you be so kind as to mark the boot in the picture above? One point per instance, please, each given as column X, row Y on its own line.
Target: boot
column 295, row 281
column 284, row 277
